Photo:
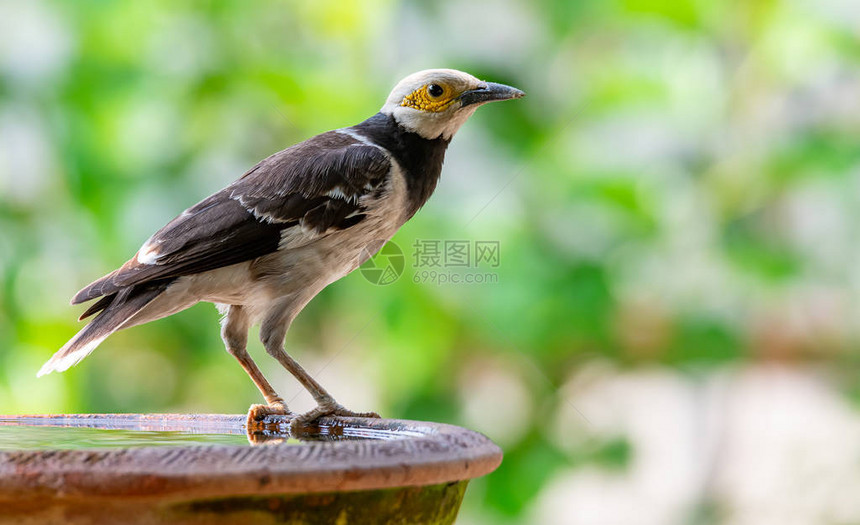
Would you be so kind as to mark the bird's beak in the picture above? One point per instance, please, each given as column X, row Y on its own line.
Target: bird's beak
column 489, row 92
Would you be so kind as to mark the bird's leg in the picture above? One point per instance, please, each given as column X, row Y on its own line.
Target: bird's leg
column 234, row 332
column 273, row 333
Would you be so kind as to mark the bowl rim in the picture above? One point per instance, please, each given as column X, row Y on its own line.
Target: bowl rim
column 425, row 453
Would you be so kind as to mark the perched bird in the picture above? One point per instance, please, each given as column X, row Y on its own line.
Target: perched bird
column 299, row 220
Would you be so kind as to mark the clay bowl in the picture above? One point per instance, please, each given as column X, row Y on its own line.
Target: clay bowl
column 184, row 469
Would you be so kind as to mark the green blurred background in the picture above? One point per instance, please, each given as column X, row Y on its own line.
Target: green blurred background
column 671, row 337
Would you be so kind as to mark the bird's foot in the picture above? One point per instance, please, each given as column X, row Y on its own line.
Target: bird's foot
column 261, row 415
column 327, row 408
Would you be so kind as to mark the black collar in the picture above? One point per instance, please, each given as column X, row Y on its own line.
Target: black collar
column 421, row 159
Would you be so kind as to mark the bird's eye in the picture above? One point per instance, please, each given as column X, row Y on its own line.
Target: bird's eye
column 435, row 90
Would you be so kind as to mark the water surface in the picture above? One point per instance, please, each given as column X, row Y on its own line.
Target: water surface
column 133, row 430
column 30, row 437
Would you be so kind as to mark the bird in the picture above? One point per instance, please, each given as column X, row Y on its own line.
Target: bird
column 300, row 219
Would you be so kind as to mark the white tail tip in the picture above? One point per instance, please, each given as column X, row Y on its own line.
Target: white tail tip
column 61, row 364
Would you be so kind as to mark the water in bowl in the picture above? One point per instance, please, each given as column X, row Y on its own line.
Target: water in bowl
column 135, row 430
column 31, row 437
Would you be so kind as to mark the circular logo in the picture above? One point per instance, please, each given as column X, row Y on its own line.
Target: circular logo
column 381, row 266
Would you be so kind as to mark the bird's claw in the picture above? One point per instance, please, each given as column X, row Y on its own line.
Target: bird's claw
column 326, row 409
column 260, row 415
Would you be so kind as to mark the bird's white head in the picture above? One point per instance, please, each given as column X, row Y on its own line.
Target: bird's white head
column 436, row 102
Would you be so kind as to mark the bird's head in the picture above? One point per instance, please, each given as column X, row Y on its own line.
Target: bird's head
column 436, row 102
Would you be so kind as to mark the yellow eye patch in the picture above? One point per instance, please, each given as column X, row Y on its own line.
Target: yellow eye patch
column 420, row 99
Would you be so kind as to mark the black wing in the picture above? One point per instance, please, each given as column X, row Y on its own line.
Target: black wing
column 315, row 185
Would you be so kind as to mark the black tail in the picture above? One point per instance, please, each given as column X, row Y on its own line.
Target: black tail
column 116, row 309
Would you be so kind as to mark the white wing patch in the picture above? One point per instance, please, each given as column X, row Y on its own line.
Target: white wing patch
column 148, row 253
column 337, row 193
column 361, row 138
column 265, row 217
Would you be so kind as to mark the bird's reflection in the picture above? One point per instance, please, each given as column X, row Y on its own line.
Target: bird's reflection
column 276, row 430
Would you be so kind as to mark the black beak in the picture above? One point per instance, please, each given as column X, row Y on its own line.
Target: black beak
column 489, row 92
